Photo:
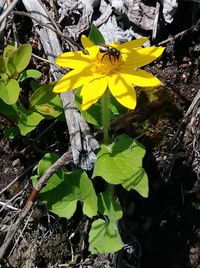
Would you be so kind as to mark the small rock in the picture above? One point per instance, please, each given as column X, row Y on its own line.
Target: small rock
column 6, row 170
column 16, row 162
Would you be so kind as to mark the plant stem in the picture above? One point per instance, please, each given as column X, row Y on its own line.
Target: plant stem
column 111, row 191
column 105, row 101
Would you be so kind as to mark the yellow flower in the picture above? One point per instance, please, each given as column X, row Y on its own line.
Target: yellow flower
column 116, row 69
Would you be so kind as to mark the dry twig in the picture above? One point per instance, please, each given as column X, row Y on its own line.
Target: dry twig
column 65, row 159
column 195, row 27
column 8, row 10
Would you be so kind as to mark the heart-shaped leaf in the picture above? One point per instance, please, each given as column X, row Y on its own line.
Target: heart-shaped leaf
column 9, row 92
column 28, row 121
column 121, row 163
column 19, row 59
column 64, row 189
column 104, row 237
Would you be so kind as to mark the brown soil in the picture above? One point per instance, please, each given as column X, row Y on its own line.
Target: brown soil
column 166, row 226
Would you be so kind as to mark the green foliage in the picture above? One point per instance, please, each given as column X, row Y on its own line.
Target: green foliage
column 108, row 206
column 28, row 120
column 196, row 206
column 9, row 111
column 9, row 92
column 11, row 132
column 2, row 66
column 93, row 114
column 7, row 53
column 121, row 163
column 64, row 189
column 43, row 94
column 61, row 194
column 19, row 59
column 12, row 63
column 104, row 237
column 96, row 36
column 44, row 104
column 104, row 234
column 117, row 163
column 31, row 73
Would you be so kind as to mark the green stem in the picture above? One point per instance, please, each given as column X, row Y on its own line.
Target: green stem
column 111, row 191
column 105, row 101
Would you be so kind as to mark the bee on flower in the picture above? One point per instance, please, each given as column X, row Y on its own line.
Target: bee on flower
column 115, row 67
column 112, row 52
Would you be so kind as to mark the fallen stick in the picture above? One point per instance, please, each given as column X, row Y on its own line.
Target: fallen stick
column 65, row 159
column 83, row 144
column 8, row 10
column 195, row 27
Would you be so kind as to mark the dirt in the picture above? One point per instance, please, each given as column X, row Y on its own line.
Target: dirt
column 164, row 228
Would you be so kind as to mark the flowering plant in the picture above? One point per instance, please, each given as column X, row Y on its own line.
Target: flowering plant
column 96, row 71
column 99, row 70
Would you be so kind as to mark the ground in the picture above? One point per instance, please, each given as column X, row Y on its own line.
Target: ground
column 164, row 228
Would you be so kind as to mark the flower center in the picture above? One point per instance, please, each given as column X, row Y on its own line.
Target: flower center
column 107, row 63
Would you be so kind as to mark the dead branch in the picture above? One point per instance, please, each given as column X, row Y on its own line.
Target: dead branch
column 82, row 143
column 195, row 27
column 186, row 117
column 8, row 10
column 17, row 178
column 69, row 40
column 65, row 159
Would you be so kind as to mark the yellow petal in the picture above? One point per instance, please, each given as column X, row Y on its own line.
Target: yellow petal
column 143, row 56
column 86, row 42
column 140, row 78
column 73, row 79
column 89, row 46
column 73, row 60
column 128, row 46
column 122, row 91
column 92, row 91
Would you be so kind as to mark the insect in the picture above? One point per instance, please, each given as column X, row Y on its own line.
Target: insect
column 112, row 52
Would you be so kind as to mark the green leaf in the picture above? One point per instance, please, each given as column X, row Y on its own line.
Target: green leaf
column 4, row 94
column 29, row 74
column 45, row 109
column 52, row 109
column 93, row 114
column 9, row 111
column 11, row 132
column 121, row 163
column 104, row 237
column 196, row 205
column 107, row 205
column 47, row 102
column 2, row 66
column 28, row 121
column 64, row 189
column 34, row 85
column 8, row 51
column 47, row 161
column 19, row 59
column 116, row 109
column 96, row 36
column 9, row 92
column 43, row 94
column 138, row 182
